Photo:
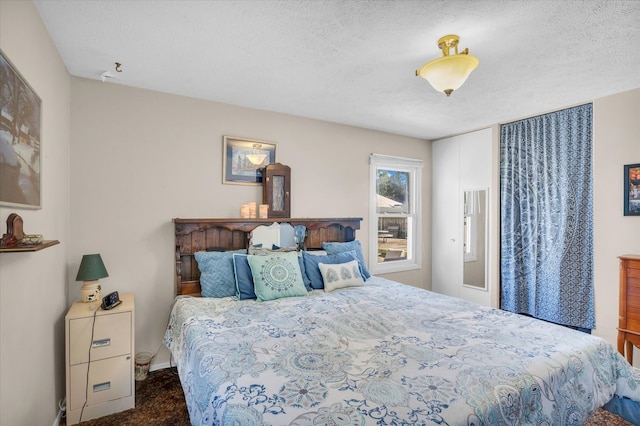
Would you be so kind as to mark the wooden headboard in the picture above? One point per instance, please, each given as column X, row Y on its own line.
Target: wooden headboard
column 194, row 235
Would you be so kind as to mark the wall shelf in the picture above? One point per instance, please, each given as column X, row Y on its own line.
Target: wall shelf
column 34, row 247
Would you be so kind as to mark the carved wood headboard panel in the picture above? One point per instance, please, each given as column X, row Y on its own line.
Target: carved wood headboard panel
column 192, row 235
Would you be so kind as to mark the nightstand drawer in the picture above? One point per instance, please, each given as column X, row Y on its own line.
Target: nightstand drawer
column 111, row 337
column 109, row 379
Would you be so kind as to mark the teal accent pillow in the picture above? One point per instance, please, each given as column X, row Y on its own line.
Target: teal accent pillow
column 341, row 275
column 312, row 270
column 244, row 277
column 276, row 275
column 217, row 278
column 335, row 248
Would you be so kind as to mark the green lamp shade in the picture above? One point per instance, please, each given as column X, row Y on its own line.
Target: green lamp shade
column 91, row 268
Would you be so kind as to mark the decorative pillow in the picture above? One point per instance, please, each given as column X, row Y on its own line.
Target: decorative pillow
column 276, row 249
column 312, row 270
column 303, row 270
column 217, row 278
column 334, row 248
column 341, row 275
column 244, row 279
column 276, row 275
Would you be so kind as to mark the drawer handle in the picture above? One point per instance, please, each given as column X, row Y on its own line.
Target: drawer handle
column 100, row 343
column 102, row 386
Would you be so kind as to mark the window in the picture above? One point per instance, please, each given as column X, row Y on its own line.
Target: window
column 395, row 199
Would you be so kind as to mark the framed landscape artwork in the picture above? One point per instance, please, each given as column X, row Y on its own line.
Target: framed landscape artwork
column 243, row 160
column 632, row 190
column 20, row 124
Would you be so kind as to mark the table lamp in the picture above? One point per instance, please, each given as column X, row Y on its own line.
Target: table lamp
column 91, row 270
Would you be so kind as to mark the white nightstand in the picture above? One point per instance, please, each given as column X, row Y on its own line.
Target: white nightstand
column 111, row 386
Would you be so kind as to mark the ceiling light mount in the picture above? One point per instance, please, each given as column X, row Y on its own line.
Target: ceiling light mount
column 450, row 71
column 449, row 42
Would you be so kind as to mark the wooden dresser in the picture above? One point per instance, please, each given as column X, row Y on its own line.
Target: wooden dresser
column 629, row 321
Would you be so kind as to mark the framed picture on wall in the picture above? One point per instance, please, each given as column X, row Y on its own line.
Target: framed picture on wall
column 243, row 160
column 632, row 190
column 20, row 123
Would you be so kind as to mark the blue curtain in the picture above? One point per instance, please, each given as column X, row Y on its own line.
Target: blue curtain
column 546, row 203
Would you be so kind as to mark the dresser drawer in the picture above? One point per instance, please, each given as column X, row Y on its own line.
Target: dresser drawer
column 109, row 379
column 111, row 337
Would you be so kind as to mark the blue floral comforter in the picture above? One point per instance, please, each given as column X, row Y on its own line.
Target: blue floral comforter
column 386, row 354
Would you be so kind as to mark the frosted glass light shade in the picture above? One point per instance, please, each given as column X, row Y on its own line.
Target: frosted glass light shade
column 448, row 73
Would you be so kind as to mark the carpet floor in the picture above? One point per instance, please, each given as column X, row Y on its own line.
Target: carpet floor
column 160, row 402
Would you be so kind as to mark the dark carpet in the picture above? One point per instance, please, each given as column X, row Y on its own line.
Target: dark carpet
column 160, row 402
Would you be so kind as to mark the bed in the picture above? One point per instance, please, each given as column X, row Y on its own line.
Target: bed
column 382, row 353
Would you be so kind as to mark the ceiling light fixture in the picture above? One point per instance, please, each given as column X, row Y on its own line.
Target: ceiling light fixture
column 449, row 72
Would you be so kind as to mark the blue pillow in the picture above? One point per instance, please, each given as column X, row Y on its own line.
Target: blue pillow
column 217, row 278
column 244, row 279
column 313, row 271
column 276, row 275
column 303, row 270
column 335, row 248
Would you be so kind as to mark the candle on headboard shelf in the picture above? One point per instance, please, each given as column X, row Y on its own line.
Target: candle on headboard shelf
column 264, row 211
column 244, row 211
column 252, row 210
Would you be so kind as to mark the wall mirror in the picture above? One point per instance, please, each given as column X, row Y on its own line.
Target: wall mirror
column 276, row 234
column 475, row 238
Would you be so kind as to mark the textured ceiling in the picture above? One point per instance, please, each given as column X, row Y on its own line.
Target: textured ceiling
column 354, row 62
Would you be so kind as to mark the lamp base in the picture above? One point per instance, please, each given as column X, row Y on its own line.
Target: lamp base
column 90, row 291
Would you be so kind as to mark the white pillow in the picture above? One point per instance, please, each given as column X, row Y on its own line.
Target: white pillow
column 341, row 275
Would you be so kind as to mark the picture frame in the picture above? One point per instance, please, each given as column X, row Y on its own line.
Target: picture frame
column 20, row 144
column 243, row 160
column 632, row 190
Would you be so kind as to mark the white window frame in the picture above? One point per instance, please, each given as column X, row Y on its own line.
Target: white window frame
column 414, row 217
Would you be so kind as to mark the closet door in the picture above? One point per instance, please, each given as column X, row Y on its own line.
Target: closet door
column 445, row 226
column 461, row 164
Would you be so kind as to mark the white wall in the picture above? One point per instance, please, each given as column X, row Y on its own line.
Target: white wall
column 616, row 127
column 33, row 286
column 140, row 158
